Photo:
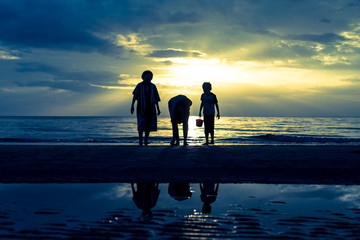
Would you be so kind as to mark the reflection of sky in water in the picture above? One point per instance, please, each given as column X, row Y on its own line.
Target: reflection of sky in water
column 260, row 209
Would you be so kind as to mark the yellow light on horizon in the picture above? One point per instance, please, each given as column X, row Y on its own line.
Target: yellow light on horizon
column 190, row 72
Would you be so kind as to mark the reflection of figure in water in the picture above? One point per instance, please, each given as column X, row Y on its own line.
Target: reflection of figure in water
column 208, row 101
column 209, row 193
column 179, row 108
column 148, row 99
column 145, row 196
column 179, row 191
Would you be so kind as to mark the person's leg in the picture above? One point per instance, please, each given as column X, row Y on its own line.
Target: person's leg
column 211, row 121
column 212, row 137
column 175, row 140
column 206, row 138
column 147, row 133
column 185, row 131
column 207, row 126
column 140, row 137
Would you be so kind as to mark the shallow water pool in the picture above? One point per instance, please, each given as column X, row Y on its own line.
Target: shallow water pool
column 178, row 210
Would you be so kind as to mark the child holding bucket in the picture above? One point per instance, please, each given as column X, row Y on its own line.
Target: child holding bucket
column 208, row 104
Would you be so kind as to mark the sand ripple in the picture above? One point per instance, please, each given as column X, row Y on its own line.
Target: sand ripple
column 239, row 222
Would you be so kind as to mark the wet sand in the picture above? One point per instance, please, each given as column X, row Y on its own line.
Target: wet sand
column 306, row 164
column 241, row 211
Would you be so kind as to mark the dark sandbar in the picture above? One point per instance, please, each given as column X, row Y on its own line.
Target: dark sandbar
column 226, row 164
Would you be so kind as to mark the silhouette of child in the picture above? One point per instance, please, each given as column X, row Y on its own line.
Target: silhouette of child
column 147, row 97
column 208, row 104
column 179, row 108
column 209, row 192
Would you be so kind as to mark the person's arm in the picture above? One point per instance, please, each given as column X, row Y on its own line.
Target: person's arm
column 132, row 105
column 156, row 97
column 133, row 187
column 135, row 97
column 158, row 109
column 201, row 107
column 218, row 111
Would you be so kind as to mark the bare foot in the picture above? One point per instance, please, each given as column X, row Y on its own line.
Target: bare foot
column 173, row 142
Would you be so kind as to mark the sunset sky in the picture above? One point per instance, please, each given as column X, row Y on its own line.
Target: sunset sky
column 263, row 57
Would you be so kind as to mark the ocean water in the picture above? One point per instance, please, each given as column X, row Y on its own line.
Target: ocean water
column 239, row 211
column 228, row 130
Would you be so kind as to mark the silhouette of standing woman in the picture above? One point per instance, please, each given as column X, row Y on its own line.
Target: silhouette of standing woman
column 145, row 196
column 147, row 97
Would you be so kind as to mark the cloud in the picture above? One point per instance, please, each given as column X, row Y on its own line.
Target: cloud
column 79, row 48
column 8, row 55
column 255, row 100
column 180, row 17
column 285, row 51
column 174, row 53
column 325, row 20
column 85, row 81
column 319, row 38
column 352, row 80
column 61, row 25
column 350, row 91
column 84, row 26
column 354, row 3
column 167, row 62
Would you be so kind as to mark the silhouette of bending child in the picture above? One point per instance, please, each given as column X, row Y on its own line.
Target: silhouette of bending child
column 179, row 108
column 179, row 191
column 208, row 104
column 147, row 97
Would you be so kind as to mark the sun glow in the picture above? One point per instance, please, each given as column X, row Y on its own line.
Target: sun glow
column 195, row 134
column 194, row 72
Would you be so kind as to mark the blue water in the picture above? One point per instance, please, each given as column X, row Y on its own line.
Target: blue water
column 246, row 211
column 228, row 130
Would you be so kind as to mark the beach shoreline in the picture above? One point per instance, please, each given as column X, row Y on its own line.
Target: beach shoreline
column 279, row 164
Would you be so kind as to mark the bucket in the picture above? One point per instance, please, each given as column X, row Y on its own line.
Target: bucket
column 199, row 122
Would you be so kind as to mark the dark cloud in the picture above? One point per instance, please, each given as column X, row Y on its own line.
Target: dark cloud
column 289, row 17
column 84, row 26
column 171, row 53
column 71, row 85
column 50, row 24
column 284, row 50
column 355, row 3
column 235, row 30
column 67, row 80
column 352, row 80
column 319, row 38
column 180, row 17
column 325, row 20
column 167, row 62
column 277, row 101
column 350, row 91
